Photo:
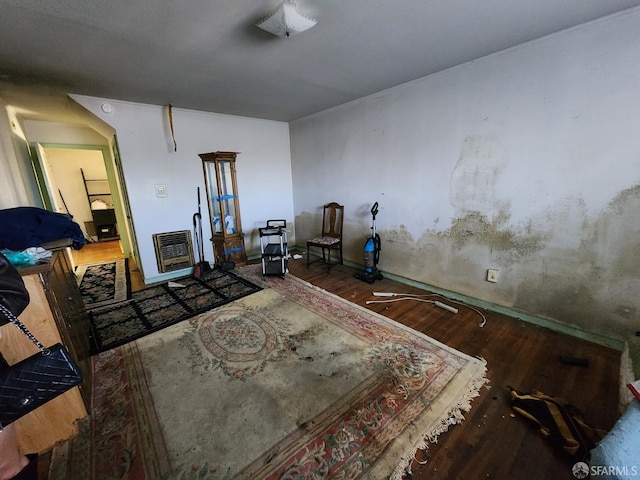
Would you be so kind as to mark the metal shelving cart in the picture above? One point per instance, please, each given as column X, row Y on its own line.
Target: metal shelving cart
column 273, row 248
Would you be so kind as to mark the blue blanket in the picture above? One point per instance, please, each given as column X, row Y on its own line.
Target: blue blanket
column 618, row 454
column 25, row 227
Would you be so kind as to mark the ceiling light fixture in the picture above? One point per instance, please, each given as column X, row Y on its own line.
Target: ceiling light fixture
column 286, row 21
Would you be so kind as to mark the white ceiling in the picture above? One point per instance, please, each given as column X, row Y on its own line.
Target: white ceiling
column 209, row 55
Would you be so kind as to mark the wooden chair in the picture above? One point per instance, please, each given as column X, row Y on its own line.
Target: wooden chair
column 331, row 236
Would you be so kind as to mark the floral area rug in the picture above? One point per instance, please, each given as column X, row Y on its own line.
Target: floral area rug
column 291, row 382
column 122, row 437
column 103, row 283
column 157, row 307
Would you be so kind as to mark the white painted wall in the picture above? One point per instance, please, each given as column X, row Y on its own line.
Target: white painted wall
column 527, row 161
column 148, row 158
column 65, row 165
column 62, row 133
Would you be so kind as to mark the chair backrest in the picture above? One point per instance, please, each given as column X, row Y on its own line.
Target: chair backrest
column 333, row 214
column 277, row 223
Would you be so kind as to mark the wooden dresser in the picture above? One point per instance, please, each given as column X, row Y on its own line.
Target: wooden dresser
column 55, row 314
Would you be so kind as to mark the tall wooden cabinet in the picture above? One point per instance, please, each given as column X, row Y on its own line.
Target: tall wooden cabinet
column 224, row 207
column 55, row 314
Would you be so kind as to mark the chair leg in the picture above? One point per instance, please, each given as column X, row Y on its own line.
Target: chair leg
column 326, row 256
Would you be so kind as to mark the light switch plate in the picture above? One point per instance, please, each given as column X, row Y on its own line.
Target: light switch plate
column 161, row 190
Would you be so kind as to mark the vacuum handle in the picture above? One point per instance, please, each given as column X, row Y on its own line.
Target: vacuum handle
column 374, row 210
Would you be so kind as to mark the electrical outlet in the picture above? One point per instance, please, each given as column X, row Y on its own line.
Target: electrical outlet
column 492, row 275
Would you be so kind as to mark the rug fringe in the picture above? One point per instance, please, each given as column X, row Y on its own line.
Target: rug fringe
column 454, row 416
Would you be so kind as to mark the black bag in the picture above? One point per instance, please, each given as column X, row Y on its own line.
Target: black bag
column 34, row 381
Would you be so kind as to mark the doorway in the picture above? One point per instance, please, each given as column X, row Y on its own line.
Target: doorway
column 68, row 171
column 68, row 176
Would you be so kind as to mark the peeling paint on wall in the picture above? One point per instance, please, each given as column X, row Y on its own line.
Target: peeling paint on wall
column 585, row 275
column 565, row 265
column 594, row 285
column 496, row 235
column 401, row 235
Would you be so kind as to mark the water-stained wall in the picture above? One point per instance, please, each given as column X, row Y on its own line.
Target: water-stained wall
column 527, row 161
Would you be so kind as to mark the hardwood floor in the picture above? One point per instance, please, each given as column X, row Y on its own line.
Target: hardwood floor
column 98, row 252
column 103, row 252
column 491, row 442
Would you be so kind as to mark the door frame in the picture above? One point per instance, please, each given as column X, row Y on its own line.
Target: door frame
column 115, row 178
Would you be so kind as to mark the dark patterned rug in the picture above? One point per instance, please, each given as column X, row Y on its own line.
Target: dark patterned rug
column 104, row 283
column 157, row 307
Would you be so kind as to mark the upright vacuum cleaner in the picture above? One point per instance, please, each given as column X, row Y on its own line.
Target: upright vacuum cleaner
column 202, row 266
column 371, row 253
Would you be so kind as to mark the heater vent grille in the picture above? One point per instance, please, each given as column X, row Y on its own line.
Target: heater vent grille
column 173, row 250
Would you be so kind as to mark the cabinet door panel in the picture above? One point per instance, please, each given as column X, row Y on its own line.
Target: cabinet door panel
column 68, row 309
